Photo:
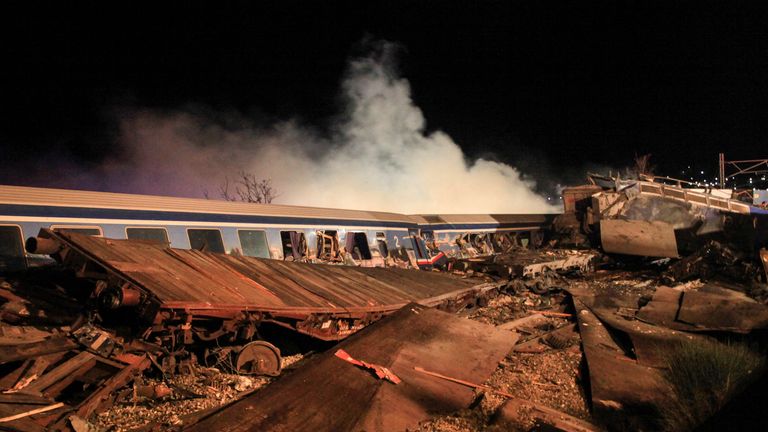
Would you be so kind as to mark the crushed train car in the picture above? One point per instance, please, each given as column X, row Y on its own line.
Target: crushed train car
column 291, row 233
column 646, row 217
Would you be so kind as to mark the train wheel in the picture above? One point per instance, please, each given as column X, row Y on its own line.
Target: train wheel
column 259, row 358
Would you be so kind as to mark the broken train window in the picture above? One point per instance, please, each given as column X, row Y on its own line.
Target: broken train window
column 429, row 241
column 327, row 245
column 357, row 245
column 294, row 245
column 11, row 249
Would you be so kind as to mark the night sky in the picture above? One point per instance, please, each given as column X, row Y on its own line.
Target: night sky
column 554, row 88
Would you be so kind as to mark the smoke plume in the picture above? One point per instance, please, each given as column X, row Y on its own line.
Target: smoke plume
column 377, row 156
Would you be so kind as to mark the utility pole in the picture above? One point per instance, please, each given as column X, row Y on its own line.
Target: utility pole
column 722, row 171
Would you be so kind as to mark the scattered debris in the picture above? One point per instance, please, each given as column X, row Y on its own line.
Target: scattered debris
column 126, row 334
column 413, row 337
column 380, row 371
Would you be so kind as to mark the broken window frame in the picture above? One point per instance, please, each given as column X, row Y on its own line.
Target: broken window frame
column 294, row 253
column 165, row 241
column 77, row 229
column 430, row 241
column 207, row 249
column 22, row 255
column 365, row 254
column 266, row 242
column 334, row 254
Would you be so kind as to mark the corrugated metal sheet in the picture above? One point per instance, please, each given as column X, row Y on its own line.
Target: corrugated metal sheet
column 199, row 280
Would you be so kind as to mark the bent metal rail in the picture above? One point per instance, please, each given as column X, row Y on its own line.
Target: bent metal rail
column 182, row 295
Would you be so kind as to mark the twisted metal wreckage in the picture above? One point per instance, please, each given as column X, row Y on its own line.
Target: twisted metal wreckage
column 75, row 335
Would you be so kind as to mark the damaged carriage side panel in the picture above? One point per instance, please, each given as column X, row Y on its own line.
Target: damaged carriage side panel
column 259, row 230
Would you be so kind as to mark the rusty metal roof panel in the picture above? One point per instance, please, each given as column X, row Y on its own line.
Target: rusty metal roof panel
column 195, row 279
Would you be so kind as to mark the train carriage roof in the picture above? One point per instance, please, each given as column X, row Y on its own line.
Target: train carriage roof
column 22, row 195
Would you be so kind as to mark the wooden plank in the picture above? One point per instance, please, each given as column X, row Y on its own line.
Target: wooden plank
column 22, row 424
column 31, row 412
column 24, row 399
column 100, row 397
column 509, row 417
column 62, row 372
column 49, row 346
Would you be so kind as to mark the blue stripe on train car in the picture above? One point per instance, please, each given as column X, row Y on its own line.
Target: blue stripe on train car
column 157, row 215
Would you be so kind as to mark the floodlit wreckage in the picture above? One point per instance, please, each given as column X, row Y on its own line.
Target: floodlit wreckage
column 581, row 323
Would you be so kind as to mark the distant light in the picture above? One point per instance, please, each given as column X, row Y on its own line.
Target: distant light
column 702, row 172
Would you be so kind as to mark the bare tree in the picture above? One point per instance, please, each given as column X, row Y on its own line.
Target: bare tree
column 643, row 165
column 247, row 188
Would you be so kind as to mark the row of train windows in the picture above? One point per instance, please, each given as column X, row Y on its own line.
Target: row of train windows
column 253, row 242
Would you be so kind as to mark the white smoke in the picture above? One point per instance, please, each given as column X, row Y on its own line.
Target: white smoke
column 378, row 156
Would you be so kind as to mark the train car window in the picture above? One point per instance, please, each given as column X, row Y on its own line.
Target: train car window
column 327, row 245
column 357, row 245
column 11, row 249
column 159, row 235
column 294, row 245
column 381, row 241
column 429, row 240
column 254, row 243
column 91, row 231
column 208, row 240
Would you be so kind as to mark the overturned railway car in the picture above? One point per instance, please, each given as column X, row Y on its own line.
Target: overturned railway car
column 283, row 232
column 179, row 298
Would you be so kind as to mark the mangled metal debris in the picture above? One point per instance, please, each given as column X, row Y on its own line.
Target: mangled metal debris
column 327, row 394
column 138, row 326
column 181, row 296
column 168, row 305
column 631, row 237
column 624, row 393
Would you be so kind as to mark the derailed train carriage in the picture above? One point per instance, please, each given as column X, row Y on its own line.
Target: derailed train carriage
column 283, row 232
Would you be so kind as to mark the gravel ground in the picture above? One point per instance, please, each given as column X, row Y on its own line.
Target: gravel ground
column 217, row 388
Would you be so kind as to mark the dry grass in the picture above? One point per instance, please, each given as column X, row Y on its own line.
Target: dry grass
column 704, row 376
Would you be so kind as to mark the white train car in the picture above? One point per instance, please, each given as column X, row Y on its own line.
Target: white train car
column 258, row 230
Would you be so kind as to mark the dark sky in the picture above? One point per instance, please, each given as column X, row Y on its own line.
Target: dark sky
column 554, row 87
